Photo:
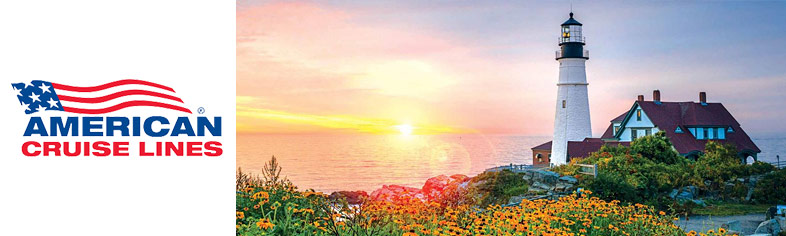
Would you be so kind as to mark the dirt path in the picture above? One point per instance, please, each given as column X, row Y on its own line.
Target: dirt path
column 748, row 223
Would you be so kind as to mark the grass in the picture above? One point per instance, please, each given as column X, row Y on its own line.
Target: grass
column 728, row 209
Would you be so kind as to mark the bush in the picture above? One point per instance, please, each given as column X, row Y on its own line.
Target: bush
column 657, row 148
column 609, row 186
column 758, row 168
column 718, row 164
column 771, row 188
column 497, row 187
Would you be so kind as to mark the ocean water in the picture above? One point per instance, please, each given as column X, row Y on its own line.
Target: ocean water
column 366, row 162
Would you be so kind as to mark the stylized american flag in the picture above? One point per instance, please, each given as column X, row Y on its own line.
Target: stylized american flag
column 39, row 95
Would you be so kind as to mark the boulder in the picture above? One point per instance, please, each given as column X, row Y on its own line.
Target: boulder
column 563, row 187
column 769, row 227
column 352, row 197
column 544, row 176
column 733, row 225
column 388, row 192
column 686, row 193
column 782, row 222
column 436, row 186
column 568, row 179
column 538, row 186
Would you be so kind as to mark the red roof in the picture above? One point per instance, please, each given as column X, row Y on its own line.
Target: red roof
column 667, row 116
column 589, row 145
column 620, row 117
column 545, row 146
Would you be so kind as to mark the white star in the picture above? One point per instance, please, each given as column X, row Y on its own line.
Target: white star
column 27, row 106
column 34, row 97
column 44, row 88
column 29, row 84
column 52, row 103
column 17, row 91
column 40, row 108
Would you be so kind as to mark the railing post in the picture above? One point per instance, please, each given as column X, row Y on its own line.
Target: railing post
column 595, row 170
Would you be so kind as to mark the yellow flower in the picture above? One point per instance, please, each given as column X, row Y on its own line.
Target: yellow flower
column 264, row 223
column 239, row 215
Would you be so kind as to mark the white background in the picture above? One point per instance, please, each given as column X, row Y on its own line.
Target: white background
column 186, row 45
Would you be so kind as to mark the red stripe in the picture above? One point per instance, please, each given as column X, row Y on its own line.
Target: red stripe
column 117, row 95
column 108, row 85
column 124, row 105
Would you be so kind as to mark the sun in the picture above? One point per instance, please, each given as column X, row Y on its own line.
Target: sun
column 405, row 129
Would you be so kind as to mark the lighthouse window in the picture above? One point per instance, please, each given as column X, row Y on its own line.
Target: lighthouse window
column 565, row 32
column 564, row 103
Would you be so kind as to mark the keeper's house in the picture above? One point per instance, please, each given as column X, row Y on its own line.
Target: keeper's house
column 689, row 126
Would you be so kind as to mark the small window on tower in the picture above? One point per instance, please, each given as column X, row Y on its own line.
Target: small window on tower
column 564, row 103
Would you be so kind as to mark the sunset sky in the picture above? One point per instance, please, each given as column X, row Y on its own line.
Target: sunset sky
column 488, row 66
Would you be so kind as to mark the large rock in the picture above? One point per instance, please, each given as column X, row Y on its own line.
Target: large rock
column 782, row 222
column 389, row 192
column 685, row 193
column 436, row 186
column 353, row 197
column 568, row 179
column 769, row 227
column 544, row 176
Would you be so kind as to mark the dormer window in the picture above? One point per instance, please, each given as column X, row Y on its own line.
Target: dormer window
column 638, row 115
column 707, row 133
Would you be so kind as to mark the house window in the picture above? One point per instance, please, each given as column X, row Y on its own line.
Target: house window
column 540, row 157
column 647, row 132
column 633, row 134
column 638, row 115
column 705, row 134
column 730, row 130
column 564, row 103
column 710, row 133
column 678, row 130
column 700, row 133
column 616, row 129
column 692, row 131
column 721, row 134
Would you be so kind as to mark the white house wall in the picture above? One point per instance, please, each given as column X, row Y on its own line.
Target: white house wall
column 636, row 124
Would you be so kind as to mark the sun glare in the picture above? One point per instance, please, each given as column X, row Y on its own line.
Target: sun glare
column 405, row 129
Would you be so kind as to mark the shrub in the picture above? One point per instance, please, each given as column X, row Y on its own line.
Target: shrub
column 657, row 148
column 497, row 187
column 758, row 168
column 771, row 188
column 609, row 186
column 718, row 164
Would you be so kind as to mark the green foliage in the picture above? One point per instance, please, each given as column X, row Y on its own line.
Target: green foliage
column 497, row 187
column 609, row 186
column 758, row 168
column 718, row 164
column 771, row 188
column 728, row 209
column 657, row 148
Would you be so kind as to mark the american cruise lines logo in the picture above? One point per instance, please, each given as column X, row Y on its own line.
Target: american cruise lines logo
column 90, row 111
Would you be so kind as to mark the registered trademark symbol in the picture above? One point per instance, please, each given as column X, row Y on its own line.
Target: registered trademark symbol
column 201, row 110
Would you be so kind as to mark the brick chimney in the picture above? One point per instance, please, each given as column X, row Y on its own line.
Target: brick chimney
column 641, row 98
column 656, row 96
column 703, row 98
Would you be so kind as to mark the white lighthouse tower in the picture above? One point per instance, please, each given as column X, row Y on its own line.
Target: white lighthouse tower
column 572, row 119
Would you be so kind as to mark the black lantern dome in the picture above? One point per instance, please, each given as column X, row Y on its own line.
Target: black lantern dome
column 571, row 40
